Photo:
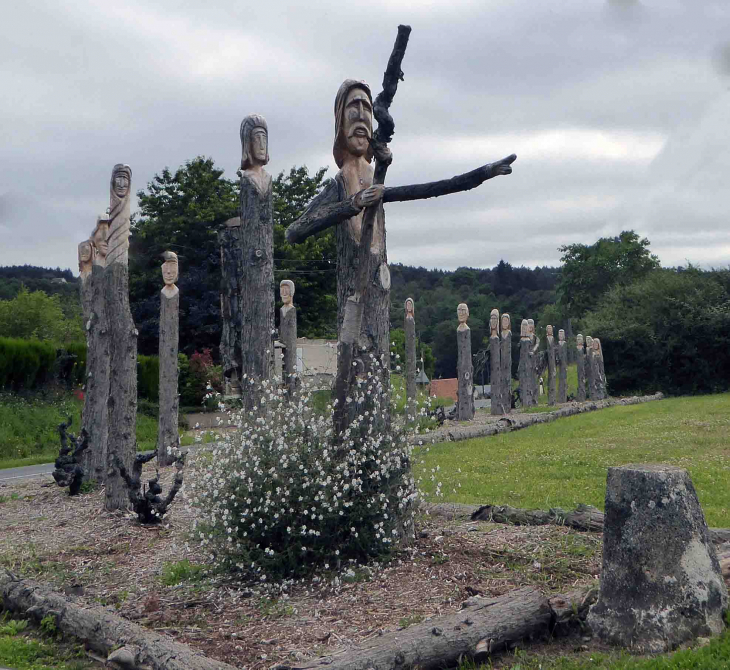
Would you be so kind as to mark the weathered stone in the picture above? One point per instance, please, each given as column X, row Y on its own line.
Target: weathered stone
column 464, row 367
column 409, row 326
column 167, row 431
column 661, row 583
column 288, row 334
column 562, row 367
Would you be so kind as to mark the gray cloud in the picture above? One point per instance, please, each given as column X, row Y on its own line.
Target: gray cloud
column 617, row 111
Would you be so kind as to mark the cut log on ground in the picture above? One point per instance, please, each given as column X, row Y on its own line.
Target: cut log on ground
column 515, row 422
column 479, row 629
column 127, row 644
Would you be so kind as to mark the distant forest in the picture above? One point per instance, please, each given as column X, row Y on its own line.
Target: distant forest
column 35, row 278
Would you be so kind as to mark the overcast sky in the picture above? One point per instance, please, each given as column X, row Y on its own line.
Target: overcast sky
column 618, row 111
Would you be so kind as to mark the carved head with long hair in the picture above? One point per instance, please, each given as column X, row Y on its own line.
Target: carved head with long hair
column 340, row 147
column 119, row 191
column 254, row 129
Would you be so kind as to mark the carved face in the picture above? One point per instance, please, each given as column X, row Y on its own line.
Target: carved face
column 259, row 145
column 561, row 335
column 99, row 239
column 549, row 331
column 579, row 341
column 530, row 327
column 589, row 342
column 286, row 293
column 357, row 122
column 85, row 252
column 462, row 312
column 121, row 184
column 494, row 322
column 169, row 272
column 596, row 345
column 524, row 328
column 506, row 323
column 410, row 309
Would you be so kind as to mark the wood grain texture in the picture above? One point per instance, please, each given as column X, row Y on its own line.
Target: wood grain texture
column 495, row 370
column 409, row 326
column 562, row 360
column 167, row 431
column 465, row 374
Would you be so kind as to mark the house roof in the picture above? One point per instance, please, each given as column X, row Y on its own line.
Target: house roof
column 445, row 388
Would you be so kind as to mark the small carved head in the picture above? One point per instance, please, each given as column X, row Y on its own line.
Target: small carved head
column 286, row 291
column 86, row 252
column 99, row 239
column 494, row 323
column 462, row 312
column 524, row 328
column 596, row 344
column 589, row 342
column 410, row 307
column 579, row 341
column 561, row 335
column 506, row 323
column 121, row 179
column 169, row 268
column 549, row 331
column 353, row 121
column 254, row 141
column 530, row 327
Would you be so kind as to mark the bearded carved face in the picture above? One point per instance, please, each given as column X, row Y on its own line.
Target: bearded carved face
column 357, row 123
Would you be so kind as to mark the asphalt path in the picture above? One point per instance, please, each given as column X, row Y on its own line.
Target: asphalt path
column 23, row 473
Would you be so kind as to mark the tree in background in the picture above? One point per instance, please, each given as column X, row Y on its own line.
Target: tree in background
column 37, row 315
column 398, row 353
column 589, row 271
column 668, row 331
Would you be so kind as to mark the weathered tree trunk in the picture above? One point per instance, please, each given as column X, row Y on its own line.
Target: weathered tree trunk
column 95, row 414
column 551, row 369
column 167, row 431
column 495, row 370
column 257, row 287
column 127, row 643
column 505, row 372
column 597, row 387
column 602, row 376
column 288, row 336
column 465, row 373
column 409, row 326
column 229, row 239
column 122, row 401
column 581, row 369
column 563, row 372
column 583, row 517
column 478, row 630
column 524, row 372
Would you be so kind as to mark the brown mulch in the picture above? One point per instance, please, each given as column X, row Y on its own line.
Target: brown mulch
column 98, row 557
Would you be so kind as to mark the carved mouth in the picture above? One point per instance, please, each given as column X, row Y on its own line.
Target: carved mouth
column 360, row 131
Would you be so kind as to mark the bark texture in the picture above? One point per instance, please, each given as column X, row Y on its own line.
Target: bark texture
column 589, row 370
column 465, row 373
column 524, row 372
column 478, row 630
column 167, row 433
column 95, row 414
column 505, row 367
column 288, row 336
column 409, row 326
column 257, row 287
column 130, row 644
column 551, row 370
column 229, row 239
column 563, row 372
column 581, row 369
column 122, row 401
column 495, row 370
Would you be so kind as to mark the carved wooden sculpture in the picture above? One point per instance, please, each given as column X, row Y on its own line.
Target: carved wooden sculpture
column 229, row 239
column 497, row 402
column 464, row 367
column 122, row 401
column 563, row 370
column 581, row 368
column 599, row 371
column 550, row 349
column 288, row 333
column 534, row 366
column 167, row 433
column 409, row 326
column 524, row 371
column 505, row 366
column 363, row 277
column 590, row 391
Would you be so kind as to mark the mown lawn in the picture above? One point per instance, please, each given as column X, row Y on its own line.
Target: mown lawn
column 565, row 462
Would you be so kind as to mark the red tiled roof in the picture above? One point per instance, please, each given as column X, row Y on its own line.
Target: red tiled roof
column 445, row 388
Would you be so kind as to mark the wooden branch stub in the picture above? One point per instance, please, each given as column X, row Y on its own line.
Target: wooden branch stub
column 392, row 75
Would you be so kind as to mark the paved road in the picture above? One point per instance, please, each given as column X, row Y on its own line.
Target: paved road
column 28, row 471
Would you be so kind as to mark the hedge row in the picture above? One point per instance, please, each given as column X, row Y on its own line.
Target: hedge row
column 25, row 363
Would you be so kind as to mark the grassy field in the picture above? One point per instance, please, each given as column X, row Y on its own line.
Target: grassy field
column 29, row 428
column 565, row 462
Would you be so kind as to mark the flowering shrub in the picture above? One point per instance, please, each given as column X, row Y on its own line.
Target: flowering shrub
column 282, row 497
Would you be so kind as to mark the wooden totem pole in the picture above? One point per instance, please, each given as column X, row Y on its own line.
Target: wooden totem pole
column 409, row 327
column 581, row 368
column 505, row 365
column 288, row 333
column 464, row 367
column 551, row 365
column 495, row 368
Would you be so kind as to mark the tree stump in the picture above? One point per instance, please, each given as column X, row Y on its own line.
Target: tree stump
column 525, row 370
column 167, row 429
column 495, row 374
column 229, row 239
column 505, row 366
column 661, row 583
column 465, row 373
column 288, row 335
column 588, row 365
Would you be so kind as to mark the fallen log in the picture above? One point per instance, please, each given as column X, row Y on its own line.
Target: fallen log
column 583, row 517
column 125, row 644
column 478, row 630
column 517, row 422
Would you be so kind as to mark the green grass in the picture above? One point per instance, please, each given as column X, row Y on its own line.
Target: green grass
column 29, row 428
column 565, row 462
column 181, row 571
